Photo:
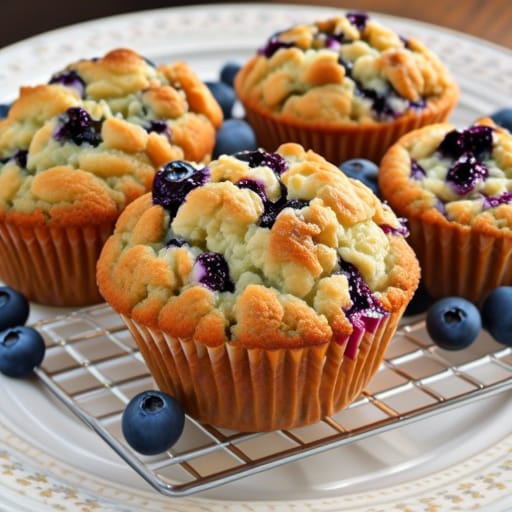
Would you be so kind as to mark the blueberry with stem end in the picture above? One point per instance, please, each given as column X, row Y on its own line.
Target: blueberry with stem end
column 152, row 422
column 453, row 323
column 22, row 348
column 14, row 308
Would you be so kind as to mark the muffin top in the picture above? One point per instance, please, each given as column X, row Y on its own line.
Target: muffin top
column 463, row 176
column 347, row 68
column 91, row 139
column 268, row 250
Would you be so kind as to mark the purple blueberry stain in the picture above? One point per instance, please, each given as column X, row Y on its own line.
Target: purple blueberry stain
column 464, row 174
column 494, row 201
column 400, row 230
column 364, row 302
column 256, row 186
column 366, row 310
column 78, row 126
column 174, row 181
column 212, row 270
column 271, row 209
column 417, row 171
column 440, row 206
column 70, row 79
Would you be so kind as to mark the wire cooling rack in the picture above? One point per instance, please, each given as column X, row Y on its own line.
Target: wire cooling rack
column 94, row 367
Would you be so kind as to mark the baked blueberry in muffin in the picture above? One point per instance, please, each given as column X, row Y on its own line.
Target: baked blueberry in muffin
column 260, row 276
column 455, row 188
column 346, row 87
column 76, row 151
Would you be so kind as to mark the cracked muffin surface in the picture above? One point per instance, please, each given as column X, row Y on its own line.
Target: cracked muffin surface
column 75, row 151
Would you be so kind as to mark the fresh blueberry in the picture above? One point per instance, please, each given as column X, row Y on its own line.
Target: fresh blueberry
column 503, row 117
column 14, row 308
column 362, row 170
column 420, row 301
column 228, row 72
column 234, row 135
column 225, row 96
column 21, row 350
column 4, row 110
column 453, row 323
column 496, row 317
column 152, row 422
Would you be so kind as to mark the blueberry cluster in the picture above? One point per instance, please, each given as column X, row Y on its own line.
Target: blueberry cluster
column 382, row 101
column 454, row 323
column 22, row 348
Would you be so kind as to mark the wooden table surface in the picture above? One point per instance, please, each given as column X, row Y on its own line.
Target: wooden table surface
column 487, row 19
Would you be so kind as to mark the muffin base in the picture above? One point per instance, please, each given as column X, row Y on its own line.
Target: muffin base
column 243, row 389
column 54, row 266
column 458, row 260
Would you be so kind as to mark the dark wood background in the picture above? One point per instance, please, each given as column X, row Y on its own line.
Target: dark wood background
column 487, row 19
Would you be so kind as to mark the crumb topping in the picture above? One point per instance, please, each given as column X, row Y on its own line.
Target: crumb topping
column 349, row 67
column 110, row 122
column 465, row 174
column 324, row 263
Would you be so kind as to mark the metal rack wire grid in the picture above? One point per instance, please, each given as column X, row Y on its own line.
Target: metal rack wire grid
column 94, row 367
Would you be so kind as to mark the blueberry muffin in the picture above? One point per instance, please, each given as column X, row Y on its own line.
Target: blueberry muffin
column 346, row 87
column 262, row 289
column 76, row 151
column 455, row 188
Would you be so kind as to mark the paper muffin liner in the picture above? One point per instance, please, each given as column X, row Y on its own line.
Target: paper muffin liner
column 344, row 141
column 244, row 389
column 458, row 260
column 54, row 266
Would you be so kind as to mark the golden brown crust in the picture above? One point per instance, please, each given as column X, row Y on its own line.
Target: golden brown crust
column 123, row 94
column 412, row 198
column 287, row 288
column 463, row 240
column 197, row 94
column 307, row 83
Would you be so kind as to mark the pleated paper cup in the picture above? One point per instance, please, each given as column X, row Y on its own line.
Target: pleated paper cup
column 460, row 260
column 248, row 389
column 338, row 142
column 54, row 266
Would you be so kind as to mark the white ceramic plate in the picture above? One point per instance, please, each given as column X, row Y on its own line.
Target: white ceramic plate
column 458, row 460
